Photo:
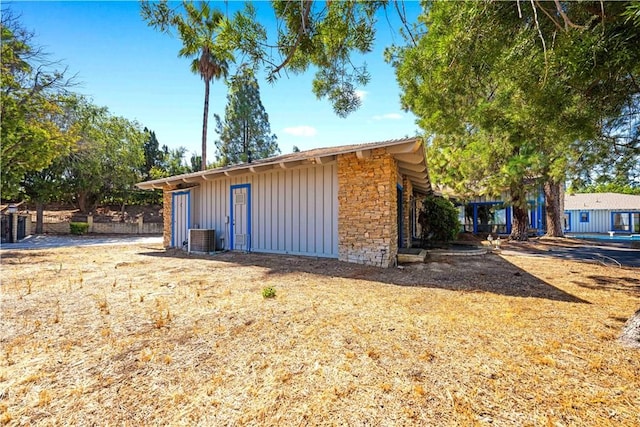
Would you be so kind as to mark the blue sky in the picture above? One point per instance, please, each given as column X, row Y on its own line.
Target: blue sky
column 134, row 71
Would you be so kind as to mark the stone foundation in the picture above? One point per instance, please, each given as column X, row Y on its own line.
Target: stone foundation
column 367, row 209
column 166, row 214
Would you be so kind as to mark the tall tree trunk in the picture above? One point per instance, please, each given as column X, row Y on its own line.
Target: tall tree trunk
column 39, row 217
column 554, row 207
column 87, row 202
column 82, row 201
column 520, row 222
column 205, row 119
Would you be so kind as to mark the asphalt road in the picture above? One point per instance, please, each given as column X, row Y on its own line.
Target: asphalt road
column 606, row 254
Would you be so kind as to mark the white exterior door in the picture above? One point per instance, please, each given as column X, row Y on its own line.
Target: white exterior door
column 241, row 217
column 180, row 223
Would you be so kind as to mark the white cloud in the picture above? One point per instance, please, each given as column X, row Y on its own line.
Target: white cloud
column 362, row 94
column 305, row 131
column 389, row 116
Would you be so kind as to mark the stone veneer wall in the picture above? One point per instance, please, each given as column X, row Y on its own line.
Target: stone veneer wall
column 166, row 215
column 367, row 209
column 407, row 196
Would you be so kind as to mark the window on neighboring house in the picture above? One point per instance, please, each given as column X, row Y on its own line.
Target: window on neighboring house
column 620, row 221
column 584, row 216
column 566, row 221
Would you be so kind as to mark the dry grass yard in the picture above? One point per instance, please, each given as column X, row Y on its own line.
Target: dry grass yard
column 134, row 335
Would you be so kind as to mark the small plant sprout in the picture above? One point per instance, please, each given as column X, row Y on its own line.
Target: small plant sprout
column 161, row 320
column 29, row 283
column 162, row 315
column 44, row 398
column 268, row 292
column 58, row 317
column 103, row 305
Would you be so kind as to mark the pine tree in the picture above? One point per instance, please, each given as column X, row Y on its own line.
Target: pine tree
column 245, row 133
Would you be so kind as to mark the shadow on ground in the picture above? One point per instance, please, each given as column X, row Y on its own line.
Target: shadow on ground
column 16, row 257
column 628, row 285
column 617, row 255
column 487, row 273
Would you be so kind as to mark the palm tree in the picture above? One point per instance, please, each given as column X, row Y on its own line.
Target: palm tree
column 199, row 31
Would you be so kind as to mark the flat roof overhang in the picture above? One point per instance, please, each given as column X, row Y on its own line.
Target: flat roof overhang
column 409, row 153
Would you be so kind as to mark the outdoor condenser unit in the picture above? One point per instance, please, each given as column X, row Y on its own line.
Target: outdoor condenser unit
column 202, row 240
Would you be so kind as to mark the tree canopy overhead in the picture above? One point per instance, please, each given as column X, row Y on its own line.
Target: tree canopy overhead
column 308, row 34
column 33, row 98
column 515, row 95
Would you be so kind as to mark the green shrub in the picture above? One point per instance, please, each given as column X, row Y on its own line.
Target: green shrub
column 439, row 220
column 79, row 228
column 268, row 292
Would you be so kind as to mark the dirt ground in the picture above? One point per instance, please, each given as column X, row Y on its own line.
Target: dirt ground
column 137, row 335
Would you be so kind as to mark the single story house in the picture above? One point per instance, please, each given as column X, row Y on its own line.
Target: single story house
column 583, row 213
column 355, row 203
column 602, row 213
column 485, row 215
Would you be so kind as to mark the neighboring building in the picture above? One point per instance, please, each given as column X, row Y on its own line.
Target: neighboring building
column 583, row 213
column 14, row 225
column 601, row 213
column 355, row 203
column 485, row 215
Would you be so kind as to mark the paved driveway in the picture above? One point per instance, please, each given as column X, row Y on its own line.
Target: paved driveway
column 607, row 254
column 44, row 241
column 610, row 255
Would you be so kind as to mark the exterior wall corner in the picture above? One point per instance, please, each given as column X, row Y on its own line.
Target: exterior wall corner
column 166, row 215
column 367, row 209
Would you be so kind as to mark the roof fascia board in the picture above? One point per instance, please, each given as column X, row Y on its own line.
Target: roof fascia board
column 190, row 180
column 235, row 172
column 291, row 164
column 260, row 168
column 323, row 160
column 176, row 190
column 405, row 148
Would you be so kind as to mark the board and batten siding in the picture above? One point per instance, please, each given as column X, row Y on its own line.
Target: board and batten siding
column 599, row 221
column 293, row 211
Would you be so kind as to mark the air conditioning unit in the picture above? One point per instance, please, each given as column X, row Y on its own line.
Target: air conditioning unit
column 202, row 240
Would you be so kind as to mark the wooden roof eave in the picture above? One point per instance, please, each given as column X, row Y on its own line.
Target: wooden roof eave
column 406, row 151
